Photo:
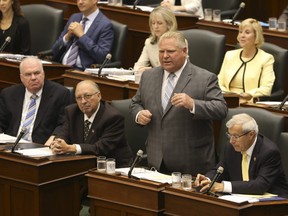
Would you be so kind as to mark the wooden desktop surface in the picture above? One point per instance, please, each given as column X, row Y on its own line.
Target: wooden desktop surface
column 186, row 203
column 42, row 186
column 118, row 195
column 10, row 74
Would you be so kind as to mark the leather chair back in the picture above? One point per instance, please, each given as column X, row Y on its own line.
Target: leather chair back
column 135, row 134
column 206, row 48
column 283, row 147
column 46, row 24
column 270, row 125
column 120, row 33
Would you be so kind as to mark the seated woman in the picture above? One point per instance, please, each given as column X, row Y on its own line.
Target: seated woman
column 191, row 6
column 248, row 71
column 161, row 20
column 15, row 26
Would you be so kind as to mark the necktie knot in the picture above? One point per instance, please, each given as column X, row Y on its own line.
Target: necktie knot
column 33, row 97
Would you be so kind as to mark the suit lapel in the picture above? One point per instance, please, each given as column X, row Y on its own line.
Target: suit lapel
column 254, row 156
column 18, row 108
column 158, row 84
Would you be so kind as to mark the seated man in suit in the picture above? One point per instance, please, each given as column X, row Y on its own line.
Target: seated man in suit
column 86, row 39
column 261, row 171
column 36, row 104
column 93, row 127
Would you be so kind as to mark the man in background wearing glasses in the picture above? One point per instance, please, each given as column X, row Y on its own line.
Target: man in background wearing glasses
column 93, row 127
column 263, row 172
column 42, row 117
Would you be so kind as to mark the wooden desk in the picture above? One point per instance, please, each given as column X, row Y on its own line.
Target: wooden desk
column 231, row 32
column 179, row 202
column 43, row 186
column 118, row 90
column 113, row 195
column 9, row 73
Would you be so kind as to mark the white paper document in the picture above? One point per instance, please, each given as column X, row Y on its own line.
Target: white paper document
column 113, row 71
column 4, row 138
column 239, row 198
column 36, row 152
column 142, row 173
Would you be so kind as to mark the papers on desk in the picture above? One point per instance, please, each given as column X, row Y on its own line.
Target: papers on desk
column 271, row 103
column 142, row 173
column 18, row 57
column 110, row 71
column 142, row 8
column 4, row 138
column 239, row 198
column 36, row 152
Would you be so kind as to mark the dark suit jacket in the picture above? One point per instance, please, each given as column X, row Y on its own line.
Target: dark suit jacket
column 19, row 32
column 265, row 169
column 50, row 115
column 106, row 136
column 184, row 141
column 93, row 46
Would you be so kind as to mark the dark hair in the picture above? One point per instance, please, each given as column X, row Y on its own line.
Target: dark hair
column 16, row 9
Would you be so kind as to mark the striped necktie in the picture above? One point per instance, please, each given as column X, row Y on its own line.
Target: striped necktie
column 30, row 117
column 244, row 164
column 168, row 90
column 72, row 57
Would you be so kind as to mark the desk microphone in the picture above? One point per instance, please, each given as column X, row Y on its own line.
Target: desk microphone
column 107, row 59
column 217, row 175
column 135, row 4
column 241, row 7
column 136, row 160
column 21, row 134
column 6, row 42
column 280, row 107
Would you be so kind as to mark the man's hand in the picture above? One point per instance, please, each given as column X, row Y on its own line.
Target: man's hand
column 182, row 99
column 144, row 117
column 59, row 146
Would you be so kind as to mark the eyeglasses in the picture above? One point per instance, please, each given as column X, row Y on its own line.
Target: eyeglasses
column 86, row 96
column 236, row 137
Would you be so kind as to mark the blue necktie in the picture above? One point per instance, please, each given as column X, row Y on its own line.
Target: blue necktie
column 72, row 57
column 30, row 117
column 168, row 90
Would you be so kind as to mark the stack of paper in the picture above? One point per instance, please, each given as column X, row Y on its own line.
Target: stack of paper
column 142, row 173
column 113, row 71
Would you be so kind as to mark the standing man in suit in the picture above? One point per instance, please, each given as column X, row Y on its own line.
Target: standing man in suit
column 264, row 172
column 86, row 39
column 50, row 101
column 180, row 136
column 93, row 127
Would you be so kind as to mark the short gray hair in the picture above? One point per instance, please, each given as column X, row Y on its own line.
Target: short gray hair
column 246, row 121
column 178, row 36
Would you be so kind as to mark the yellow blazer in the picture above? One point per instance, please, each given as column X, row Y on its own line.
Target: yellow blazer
column 259, row 75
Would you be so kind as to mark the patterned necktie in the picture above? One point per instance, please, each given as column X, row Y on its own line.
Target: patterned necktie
column 168, row 90
column 245, row 174
column 72, row 57
column 86, row 128
column 30, row 117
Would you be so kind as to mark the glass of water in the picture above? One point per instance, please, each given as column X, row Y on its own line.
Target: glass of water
column 101, row 163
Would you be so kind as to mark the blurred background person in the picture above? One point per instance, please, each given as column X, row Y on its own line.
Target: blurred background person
column 14, row 25
column 161, row 20
column 86, row 39
column 191, row 6
column 248, row 71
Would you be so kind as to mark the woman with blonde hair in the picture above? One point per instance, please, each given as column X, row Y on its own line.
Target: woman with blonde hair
column 248, row 71
column 161, row 20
